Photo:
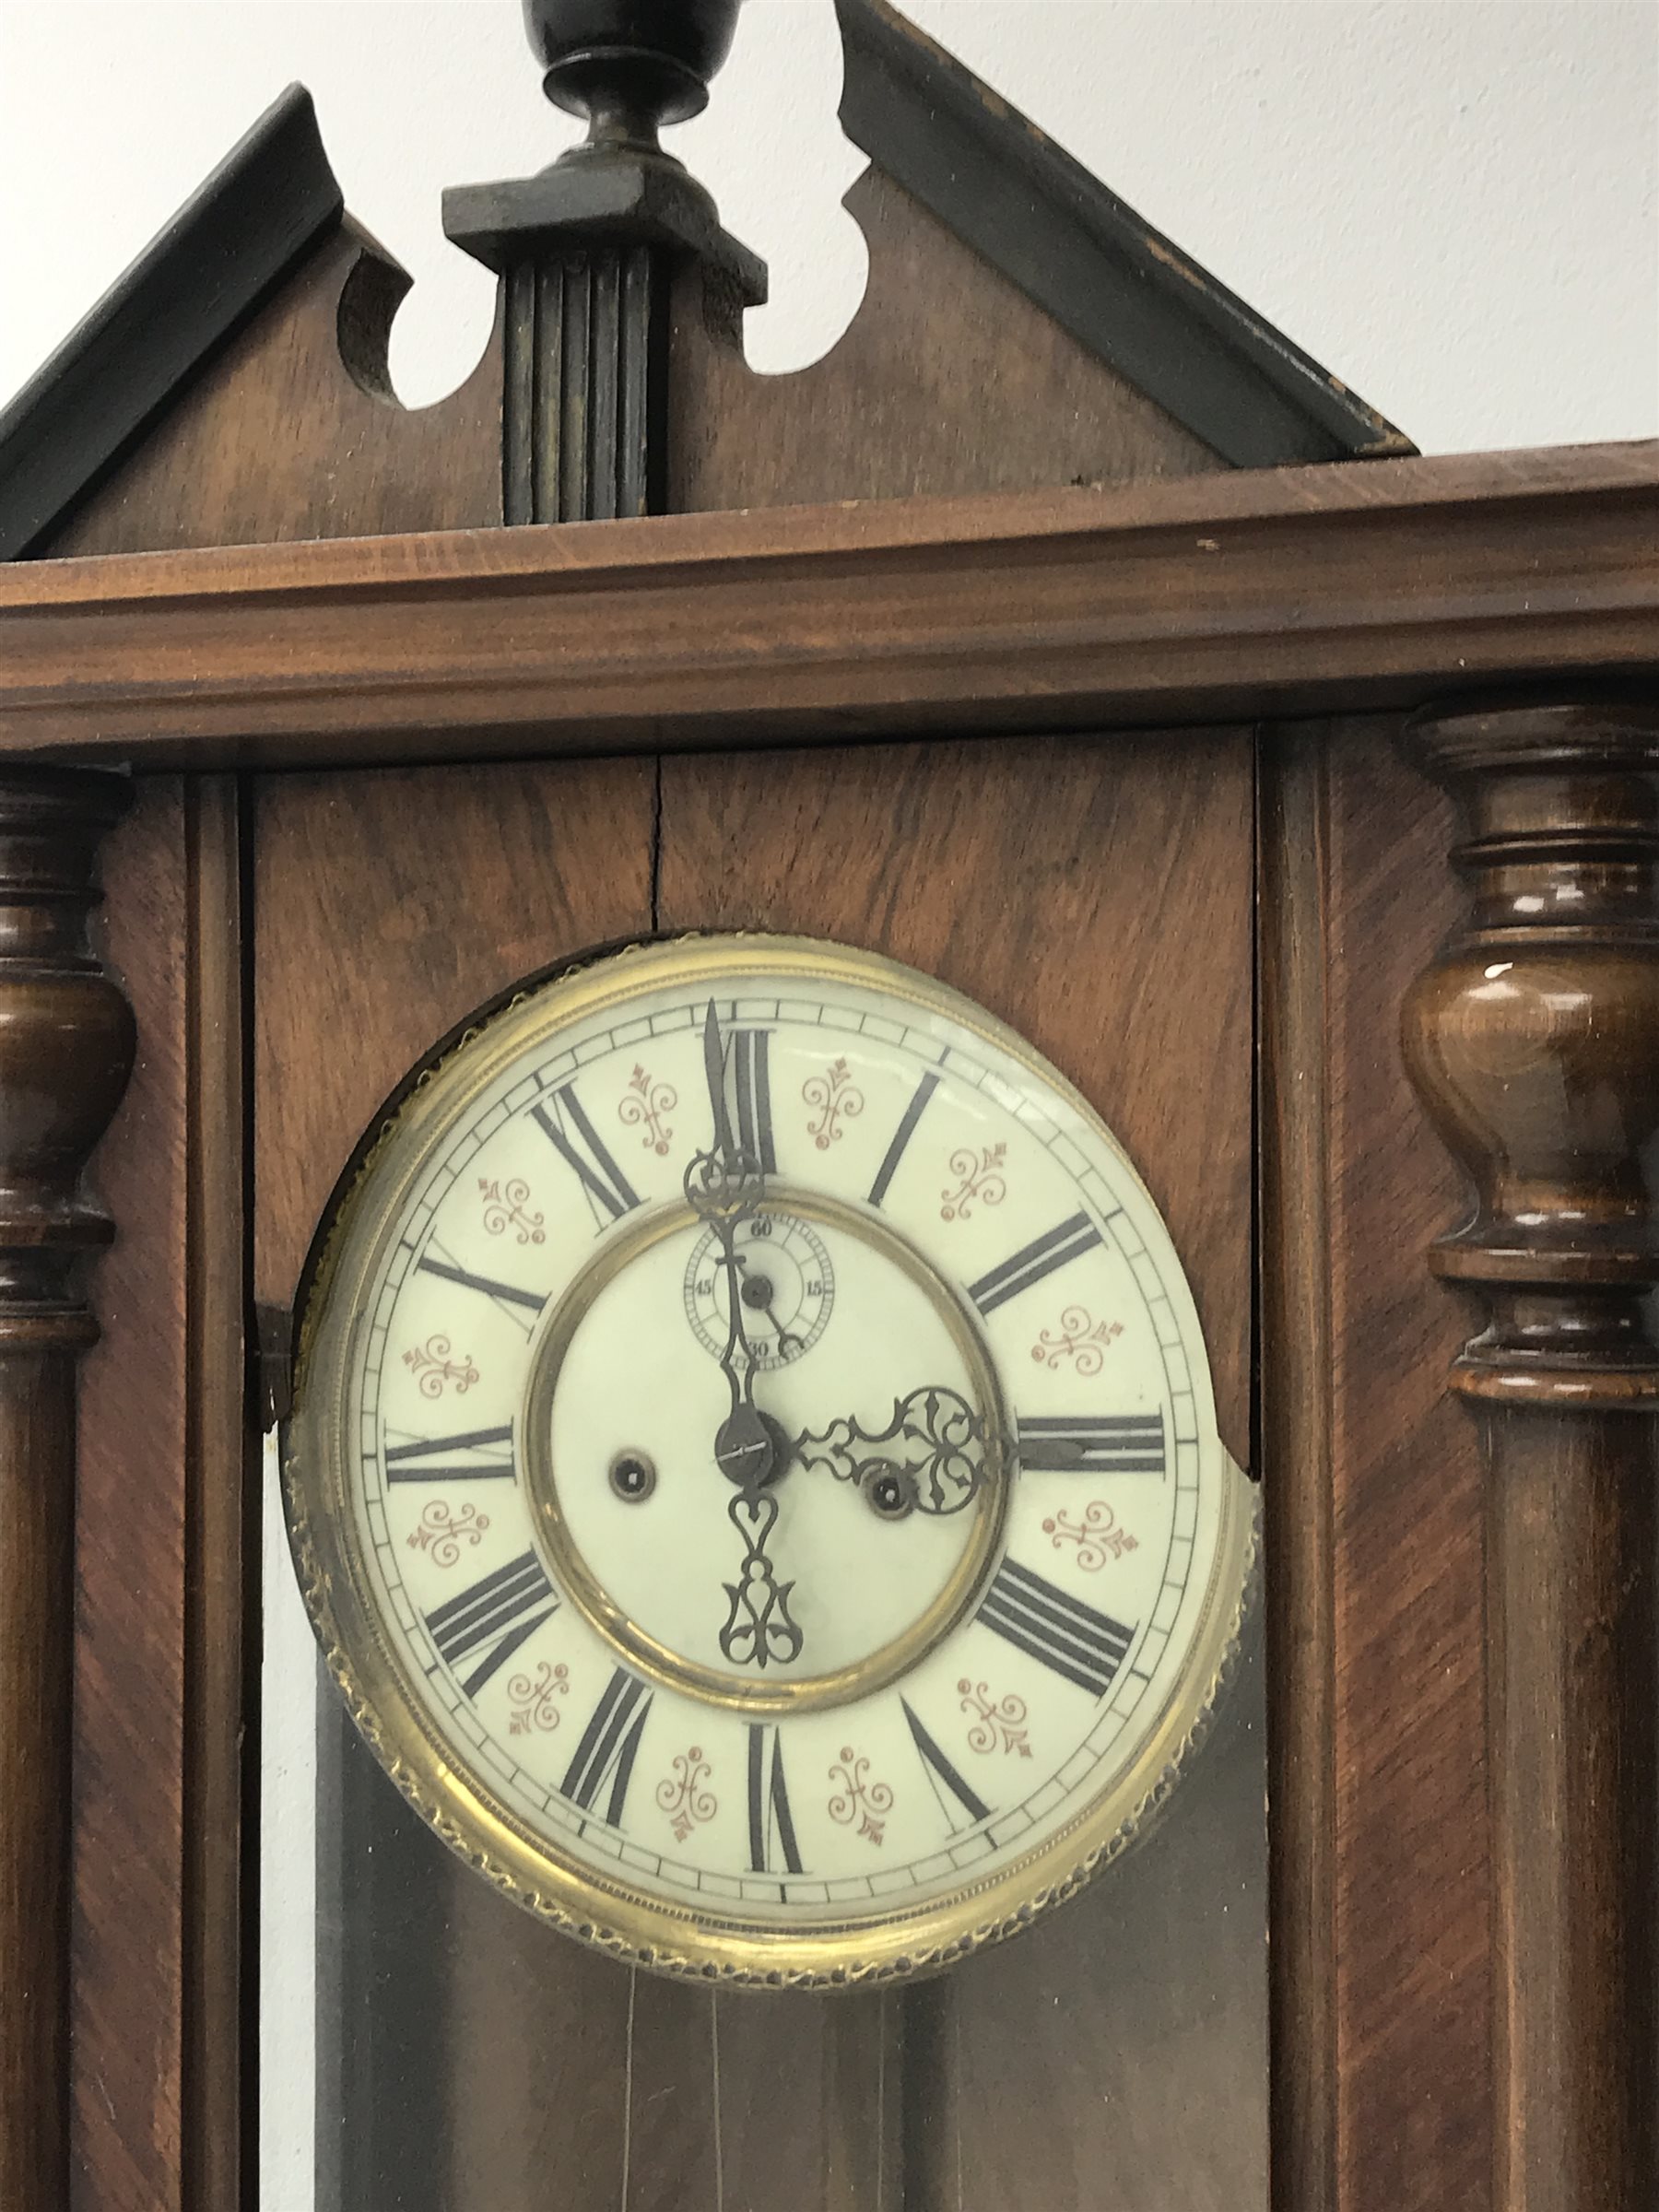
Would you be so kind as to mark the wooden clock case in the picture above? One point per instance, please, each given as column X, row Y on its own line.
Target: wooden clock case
column 1178, row 712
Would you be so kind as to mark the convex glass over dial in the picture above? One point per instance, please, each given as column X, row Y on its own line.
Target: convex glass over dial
column 754, row 1470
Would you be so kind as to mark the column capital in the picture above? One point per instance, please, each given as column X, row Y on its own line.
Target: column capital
column 1533, row 1041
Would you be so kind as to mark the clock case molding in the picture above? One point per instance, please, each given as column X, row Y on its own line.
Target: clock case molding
column 1119, row 555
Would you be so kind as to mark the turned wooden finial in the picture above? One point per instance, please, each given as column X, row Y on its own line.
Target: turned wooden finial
column 1533, row 1041
column 630, row 65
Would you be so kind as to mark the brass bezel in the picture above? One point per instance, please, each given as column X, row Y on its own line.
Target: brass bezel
column 661, row 1935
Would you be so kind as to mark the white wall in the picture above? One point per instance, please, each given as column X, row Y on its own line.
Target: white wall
column 1450, row 202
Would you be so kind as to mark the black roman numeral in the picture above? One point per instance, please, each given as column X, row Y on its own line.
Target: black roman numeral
column 770, row 1822
column 600, row 1177
column 1045, row 1622
column 901, row 1136
column 448, row 1458
column 608, row 1747
column 1033, row 1262
column 966, row 1796
column 1110, row 1443
column 506, row 1295
column 750, row 1065
column 500, row 1611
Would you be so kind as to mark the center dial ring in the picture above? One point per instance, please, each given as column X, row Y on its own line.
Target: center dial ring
column 643, row 1576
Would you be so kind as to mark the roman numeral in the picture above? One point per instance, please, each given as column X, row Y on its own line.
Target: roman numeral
column 500, row 1611
column 438, row 1458
column 901, row 1136
column 966, row 1796
column 1034, row 1262
column 507, row 1296
column 1046, row 1623
column 1111, row 1443
column 585, row 1151
column 770, row 1822
column 750, row 1065
column 609, row 1745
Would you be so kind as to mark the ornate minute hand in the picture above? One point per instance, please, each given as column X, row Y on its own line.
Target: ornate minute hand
column 935, row 1448
column 723, row 1186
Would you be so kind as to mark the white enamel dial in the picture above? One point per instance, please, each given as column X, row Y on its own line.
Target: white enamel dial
column 860, row 1711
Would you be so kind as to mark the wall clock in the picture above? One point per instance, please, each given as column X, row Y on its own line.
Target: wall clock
column 754, row 1468
column 962, row 645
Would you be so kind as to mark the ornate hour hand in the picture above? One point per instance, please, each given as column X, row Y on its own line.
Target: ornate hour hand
column 934, row 1450
column 758, row 1627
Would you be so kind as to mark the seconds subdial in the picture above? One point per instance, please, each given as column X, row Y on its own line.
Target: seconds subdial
column 785, row 1281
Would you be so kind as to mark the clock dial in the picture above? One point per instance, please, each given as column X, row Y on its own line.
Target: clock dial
column 754, row 1469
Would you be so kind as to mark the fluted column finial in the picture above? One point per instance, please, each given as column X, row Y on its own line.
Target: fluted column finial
column 589, row 252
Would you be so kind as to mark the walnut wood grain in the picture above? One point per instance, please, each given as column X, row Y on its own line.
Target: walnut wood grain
column 1381, row 2066
column 1403, row 1682
column 221, row 1476
column 1099, row 897
column 65, row 1053
column 236, row 238
column 1208, row 598
column 673, row 2141
column 812, row 2094
column 389, row 907
column 37, row 1447
column 480, row 2053
column 1294, row 1413
column 532, row 2076
column 293, row 431
column 1534, row 1043
column 1062, row 2066
column 132, row 1521
column 1083, row 258
column 979, row 392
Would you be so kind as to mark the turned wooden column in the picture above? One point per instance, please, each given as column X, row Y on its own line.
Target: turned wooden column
column 65, row 1051
column 1534, row 1043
